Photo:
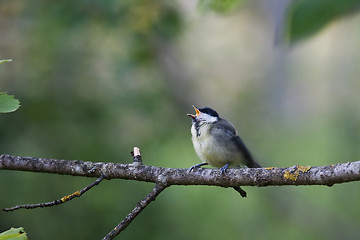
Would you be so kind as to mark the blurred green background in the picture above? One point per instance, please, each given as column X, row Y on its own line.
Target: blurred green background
column 96, row 78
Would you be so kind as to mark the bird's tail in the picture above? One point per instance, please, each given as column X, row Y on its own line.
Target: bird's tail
column 253, row 164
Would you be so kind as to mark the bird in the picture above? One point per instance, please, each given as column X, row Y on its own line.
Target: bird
column 217, row 142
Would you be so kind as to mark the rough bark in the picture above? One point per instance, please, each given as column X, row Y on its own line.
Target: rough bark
column 295, row 175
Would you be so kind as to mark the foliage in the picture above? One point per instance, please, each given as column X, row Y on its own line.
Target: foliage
column 307, row 17
column 14, row 234
column 5, row 60
column 304, row 18
column 220, row 6
column 8, row 103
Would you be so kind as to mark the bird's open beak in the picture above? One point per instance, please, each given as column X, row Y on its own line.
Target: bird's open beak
column 196, row 115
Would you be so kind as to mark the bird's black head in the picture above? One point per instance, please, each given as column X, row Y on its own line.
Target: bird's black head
column 204, row 115
column 209, row 111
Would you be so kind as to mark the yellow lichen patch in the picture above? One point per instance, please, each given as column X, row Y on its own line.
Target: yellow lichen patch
column 291, row 176
column 66, row 198
column 269, row 168
column 304, row 168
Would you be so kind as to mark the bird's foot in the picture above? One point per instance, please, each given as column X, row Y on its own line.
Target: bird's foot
column 223, row 169
column 197, row 166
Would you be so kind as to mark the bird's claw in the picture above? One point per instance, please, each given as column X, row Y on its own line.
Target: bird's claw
column 197, row 166
column 192, row 168
column 223, row 169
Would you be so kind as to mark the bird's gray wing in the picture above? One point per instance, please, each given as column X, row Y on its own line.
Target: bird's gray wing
column 225, row 131
column 250, row 162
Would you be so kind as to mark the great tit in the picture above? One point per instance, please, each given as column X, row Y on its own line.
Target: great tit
column 217, row 143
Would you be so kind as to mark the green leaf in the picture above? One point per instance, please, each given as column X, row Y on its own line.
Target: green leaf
column 14, row 234
column 8, row 103
column 5, row 60
column 220, row 6
column 307, row 17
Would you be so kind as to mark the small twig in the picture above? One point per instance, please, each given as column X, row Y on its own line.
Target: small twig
column 139, row 207
column 137, row 156
column 58, row 201
column 241, row 191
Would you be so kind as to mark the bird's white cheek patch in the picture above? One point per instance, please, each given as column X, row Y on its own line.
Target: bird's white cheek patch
column 208, row 118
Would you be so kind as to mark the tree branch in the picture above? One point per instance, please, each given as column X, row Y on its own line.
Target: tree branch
column 296, row 175
column 132, row 215
column 165, row 177
column 57, row 201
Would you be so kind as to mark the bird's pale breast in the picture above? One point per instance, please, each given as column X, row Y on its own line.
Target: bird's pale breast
column 215, row 151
